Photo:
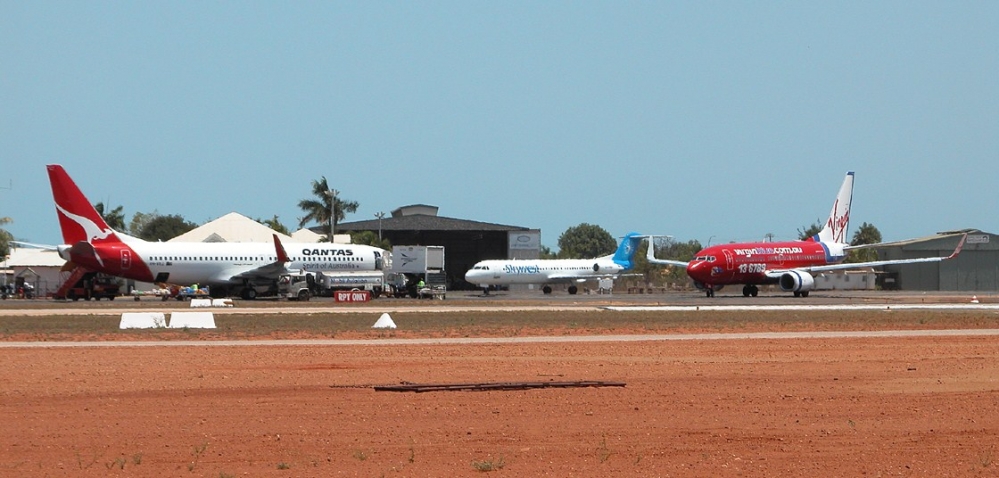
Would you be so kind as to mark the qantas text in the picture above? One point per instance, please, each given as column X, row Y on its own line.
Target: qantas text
column 327, row 252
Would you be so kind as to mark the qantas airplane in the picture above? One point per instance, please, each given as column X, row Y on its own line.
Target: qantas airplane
column 548, row 271
column 225, row 267
column 788, row 264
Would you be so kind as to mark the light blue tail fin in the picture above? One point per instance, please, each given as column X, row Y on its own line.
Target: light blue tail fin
column 626, row 250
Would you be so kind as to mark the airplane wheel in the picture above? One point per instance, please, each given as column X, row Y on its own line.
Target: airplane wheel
column 249, row 293
column 755, row 292
column 746, row 291
column 546, row 290
column 804, row 293
column 797, row 294
column 573, row 290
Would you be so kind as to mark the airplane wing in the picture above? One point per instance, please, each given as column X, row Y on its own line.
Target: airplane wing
column 268, row 271
column 860, row 265
column 46, row 247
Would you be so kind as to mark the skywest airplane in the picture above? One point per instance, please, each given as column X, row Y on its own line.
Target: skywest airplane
column 789, row 264
column 548, row 271
column 239, row 267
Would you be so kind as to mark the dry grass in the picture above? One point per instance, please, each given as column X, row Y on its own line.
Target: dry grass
column 266, row 325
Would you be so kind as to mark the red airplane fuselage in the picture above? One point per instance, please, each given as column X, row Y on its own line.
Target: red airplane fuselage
column 747, row 263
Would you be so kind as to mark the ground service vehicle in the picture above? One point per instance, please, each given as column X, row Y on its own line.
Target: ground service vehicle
column 305, row 285
column 418, row 264
column 93, row 285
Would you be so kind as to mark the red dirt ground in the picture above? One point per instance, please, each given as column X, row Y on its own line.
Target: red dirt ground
column 831, row 407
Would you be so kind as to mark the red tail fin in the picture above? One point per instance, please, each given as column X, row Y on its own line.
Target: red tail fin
column 78, row 219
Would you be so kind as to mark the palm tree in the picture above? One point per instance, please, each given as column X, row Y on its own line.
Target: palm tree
column 115, row 217
column 867, row 234
column 275, row 224
column 327, row 209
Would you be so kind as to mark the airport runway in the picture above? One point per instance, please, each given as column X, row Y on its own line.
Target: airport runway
column 526, row 301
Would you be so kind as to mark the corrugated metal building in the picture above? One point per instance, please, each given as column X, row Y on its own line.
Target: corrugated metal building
column 975, row 269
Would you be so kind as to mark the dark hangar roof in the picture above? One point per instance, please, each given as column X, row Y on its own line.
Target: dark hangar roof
column 424, row 222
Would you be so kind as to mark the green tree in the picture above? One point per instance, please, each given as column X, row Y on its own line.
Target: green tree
column 327, row 203
column 5, row 237
column 546, row 253
column 370, row 238
column 163, row 228
column 115, row 217
column 804, row 234
column 867, row 234
column 585, row 241
column 275, row 224
column 669, row 248
column 139, row 221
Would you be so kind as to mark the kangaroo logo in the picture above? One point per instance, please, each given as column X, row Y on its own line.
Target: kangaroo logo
column 90, row 229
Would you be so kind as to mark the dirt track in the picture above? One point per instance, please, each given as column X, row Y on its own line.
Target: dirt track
column 839, row 407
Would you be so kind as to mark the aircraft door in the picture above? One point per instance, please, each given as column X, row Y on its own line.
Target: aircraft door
column 126, row 259
column 729, row 260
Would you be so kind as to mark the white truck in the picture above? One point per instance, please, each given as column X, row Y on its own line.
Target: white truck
column 413, row 265
column 305, row 285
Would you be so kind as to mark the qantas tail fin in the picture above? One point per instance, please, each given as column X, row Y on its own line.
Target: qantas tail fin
column 78, row 219
column 626, row 250
column 838, row 223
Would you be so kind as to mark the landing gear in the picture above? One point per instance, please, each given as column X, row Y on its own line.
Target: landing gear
column 710, row 292
column 573, row 289
column 803, row 293
column 249, row 293
column 750, row 290
column 546, row 290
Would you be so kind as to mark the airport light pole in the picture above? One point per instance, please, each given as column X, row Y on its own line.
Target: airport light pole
column 379, row 215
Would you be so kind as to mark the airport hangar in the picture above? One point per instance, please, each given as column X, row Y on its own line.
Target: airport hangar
column 465, row 242
column 975, row 269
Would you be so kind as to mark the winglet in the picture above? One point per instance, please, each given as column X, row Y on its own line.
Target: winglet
column 960, row 245
column 282, row 256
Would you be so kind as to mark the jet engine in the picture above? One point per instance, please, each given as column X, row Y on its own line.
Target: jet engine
column 796, row 281
column 596, row 267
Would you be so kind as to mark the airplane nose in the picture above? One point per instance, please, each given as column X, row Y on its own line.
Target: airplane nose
column 696, row 270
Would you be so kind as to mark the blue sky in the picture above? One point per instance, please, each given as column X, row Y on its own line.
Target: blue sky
column 709, row 120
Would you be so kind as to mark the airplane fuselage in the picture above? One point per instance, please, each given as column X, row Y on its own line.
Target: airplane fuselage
column 541, row 271
column 214, row 263
column 748, row 263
